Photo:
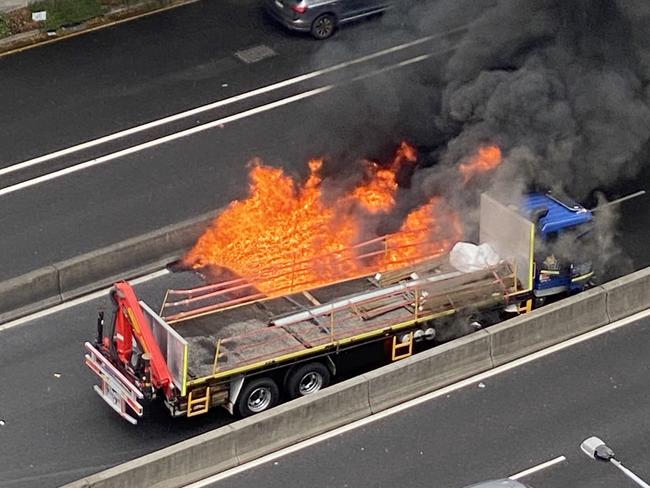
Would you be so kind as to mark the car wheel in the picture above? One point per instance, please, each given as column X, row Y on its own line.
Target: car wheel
column 323, row 26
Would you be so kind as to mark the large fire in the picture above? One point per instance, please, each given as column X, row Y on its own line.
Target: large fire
column 284, row 237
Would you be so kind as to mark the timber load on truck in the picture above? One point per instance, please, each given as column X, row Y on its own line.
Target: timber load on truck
column 227, row 344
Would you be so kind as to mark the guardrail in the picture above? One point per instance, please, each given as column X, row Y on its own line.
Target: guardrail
column 338, row 405
column 51, row 285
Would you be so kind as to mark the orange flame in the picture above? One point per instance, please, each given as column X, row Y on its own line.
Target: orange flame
column 378, row 193
column 430, row 230
column 486, row 159
column 283, row 237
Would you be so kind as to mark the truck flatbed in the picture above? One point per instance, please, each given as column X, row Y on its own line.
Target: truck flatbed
column 242, row 344
column 281, row 328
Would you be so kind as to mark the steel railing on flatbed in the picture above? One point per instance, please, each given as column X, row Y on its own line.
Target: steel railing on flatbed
column 290, row 278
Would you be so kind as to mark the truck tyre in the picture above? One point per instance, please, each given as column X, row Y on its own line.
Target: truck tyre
column 323, row 26
column 257, row 395
column 306, row 379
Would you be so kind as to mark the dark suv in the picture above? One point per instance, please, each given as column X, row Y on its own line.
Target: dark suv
column 320, row 17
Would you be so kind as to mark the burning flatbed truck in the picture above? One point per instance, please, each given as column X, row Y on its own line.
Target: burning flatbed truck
column 227, row 344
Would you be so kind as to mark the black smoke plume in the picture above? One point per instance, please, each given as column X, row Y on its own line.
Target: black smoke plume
column 562, row 86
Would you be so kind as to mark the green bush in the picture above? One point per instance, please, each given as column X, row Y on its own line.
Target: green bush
column 4, row 26
column 66, row 12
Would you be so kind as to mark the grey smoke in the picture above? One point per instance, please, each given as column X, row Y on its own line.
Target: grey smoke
column 563, row 87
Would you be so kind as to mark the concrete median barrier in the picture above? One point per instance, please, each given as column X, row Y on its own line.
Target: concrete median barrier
column 74, row 277
column 140, row 255
column 303, row 418
column 628, row 295
column 29, row 292
column 240, row 442
column 429, row 370
column 177, row 465
column 377, row 390
column 549, row 325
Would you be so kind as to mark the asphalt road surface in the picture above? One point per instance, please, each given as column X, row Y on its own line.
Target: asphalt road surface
column 99, row 83
column 114, row 79
column 54, row 428
column 94, row 85
column 495, row 428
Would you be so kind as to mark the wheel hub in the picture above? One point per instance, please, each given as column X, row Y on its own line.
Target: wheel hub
column 310, row 383
column 259, row 399
column 324, row 27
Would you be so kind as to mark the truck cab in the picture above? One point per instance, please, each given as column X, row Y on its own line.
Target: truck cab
column 561, row 259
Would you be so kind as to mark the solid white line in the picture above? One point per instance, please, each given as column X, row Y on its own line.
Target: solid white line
column 200, row 128
column 417, row 401
column 539, row 467
column 221, row 103
column 140, row 147
column 77, row 301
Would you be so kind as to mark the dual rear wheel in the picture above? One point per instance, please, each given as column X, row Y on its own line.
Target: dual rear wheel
column 260, row 394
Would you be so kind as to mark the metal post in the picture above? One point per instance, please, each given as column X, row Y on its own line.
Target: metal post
column 629, row 473
column 164, row 304
column 596, row 449
column 293, row 271
column 417, row 302
column 216, row 357
column 100, row 328
column 385, row 243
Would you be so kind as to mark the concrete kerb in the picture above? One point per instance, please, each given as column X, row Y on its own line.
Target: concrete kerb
column 549, row 325
column 628, row 295
column 429, row 370
column 37, row 38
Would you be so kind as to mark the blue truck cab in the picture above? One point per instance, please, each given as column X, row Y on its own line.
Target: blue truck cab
column 563, row 235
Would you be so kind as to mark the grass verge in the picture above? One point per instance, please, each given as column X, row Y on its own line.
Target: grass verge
column 62, row 13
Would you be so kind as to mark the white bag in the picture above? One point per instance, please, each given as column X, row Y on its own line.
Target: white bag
column 467, row 257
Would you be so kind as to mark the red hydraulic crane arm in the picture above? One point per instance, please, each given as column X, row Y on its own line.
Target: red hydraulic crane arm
column 130, row 321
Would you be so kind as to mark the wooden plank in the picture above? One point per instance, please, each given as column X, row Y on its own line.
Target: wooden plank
column 467, row 295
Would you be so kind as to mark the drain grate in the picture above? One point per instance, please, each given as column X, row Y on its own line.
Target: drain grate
column 255, row 54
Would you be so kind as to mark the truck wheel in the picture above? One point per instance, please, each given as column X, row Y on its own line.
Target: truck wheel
column 258, row 395
column 306, row 379
column 323, row 26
